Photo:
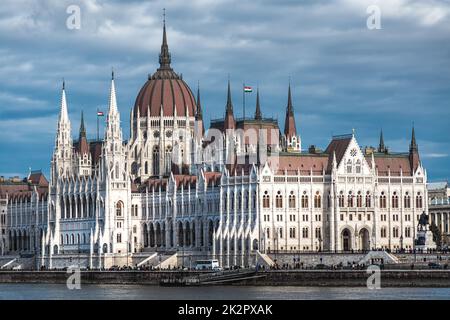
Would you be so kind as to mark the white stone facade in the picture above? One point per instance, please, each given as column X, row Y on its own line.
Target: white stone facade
column 169, row 189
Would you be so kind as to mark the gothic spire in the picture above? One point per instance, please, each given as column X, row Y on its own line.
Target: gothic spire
column 229, row 109
column 289, row 126
column 164, row 56
column 413, row 145
column 199, row 113
column 63, row 114
column 229, row 117
column 112, row 96
column 82, row 128
column 381, row 146
column 258, row 115
column 414, row 158
column 290, row 108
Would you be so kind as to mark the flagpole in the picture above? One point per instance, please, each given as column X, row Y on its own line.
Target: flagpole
column 243, row 99
column 98, row 138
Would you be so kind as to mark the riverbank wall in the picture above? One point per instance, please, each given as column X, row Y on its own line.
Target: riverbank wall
column 326, row 278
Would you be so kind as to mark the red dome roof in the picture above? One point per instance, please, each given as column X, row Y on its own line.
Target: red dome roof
column 165, row 89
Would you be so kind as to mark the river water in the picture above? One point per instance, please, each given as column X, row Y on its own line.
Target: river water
column 141, row 292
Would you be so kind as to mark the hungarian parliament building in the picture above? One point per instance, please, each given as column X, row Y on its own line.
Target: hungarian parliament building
column 240, row 188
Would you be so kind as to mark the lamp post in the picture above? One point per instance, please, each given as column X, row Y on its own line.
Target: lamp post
column 276, row 248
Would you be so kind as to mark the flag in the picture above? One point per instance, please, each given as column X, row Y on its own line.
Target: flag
column 248, row 89
column 100, row 113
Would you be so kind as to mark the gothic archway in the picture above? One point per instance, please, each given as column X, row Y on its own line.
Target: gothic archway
column 346, row 240
column 145, row 236
column 364, row 239
column 152, row 236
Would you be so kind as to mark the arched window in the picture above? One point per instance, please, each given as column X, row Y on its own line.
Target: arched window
column 305, row 233
column 254, row 200
column 382, row 200
column 358, row 166
column 383, row 232
column 395, row 200
column 279, row 200
column 134, row 168
column 239, row 201
column 341, row 199
column 395, row 232
column 350, row 199
column 359, row 199
column 168, row 159
column 408, row 232
column 146, row 167
column 155, row 166
column 349, row 166
column 292, row 200
column 117, row 171
column 418, row 200
column 119, row 238
column 119, row 207
column 318, row 233
column 407, row 201
column 368, row 200
column 305, row 203
column 317, row 200
column 266, row 200
column 280, row 233
column 246, row 200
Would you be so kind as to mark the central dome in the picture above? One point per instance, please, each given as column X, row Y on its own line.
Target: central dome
column 165, row 89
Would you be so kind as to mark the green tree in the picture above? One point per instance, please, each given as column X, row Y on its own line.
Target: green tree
column 436, row 234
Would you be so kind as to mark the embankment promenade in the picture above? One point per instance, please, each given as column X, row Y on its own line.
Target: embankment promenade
column 316, row 278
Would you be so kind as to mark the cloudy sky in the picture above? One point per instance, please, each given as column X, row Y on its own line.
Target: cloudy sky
column 344, row 75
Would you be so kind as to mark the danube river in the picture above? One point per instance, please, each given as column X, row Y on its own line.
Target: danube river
column 140, row 292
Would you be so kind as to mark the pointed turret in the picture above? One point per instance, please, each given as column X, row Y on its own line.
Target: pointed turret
column 82, row 128
column 62, row 156
column 413, row 145
column 414, row 158
column 113, row 148
column 229, row 117
column 199, row 112
column 63, row 114
column 199, row 126
column 112, row 96
column 164, row 56
column 83, row 144
column 289, row 126
column 113, row 132
column 258, row 115
column 381, row 146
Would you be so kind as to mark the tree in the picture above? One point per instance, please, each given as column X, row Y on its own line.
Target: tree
column 436, row 234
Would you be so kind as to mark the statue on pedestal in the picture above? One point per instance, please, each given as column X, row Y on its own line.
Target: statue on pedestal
column 424, row 236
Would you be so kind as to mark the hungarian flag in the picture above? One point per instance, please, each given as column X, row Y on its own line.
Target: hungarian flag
column 100, row 113
column 248, row 89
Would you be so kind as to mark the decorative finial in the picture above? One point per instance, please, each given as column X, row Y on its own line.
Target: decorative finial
column 164, row 56
column 64, row 84
column 112, row 73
